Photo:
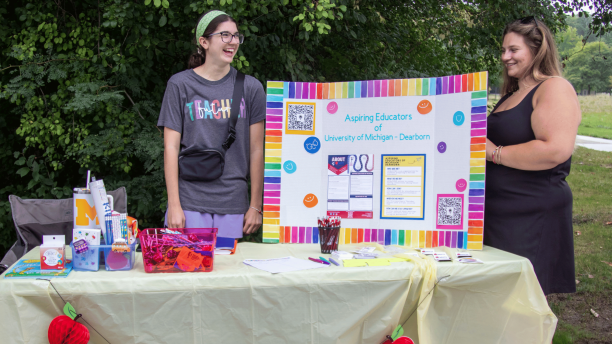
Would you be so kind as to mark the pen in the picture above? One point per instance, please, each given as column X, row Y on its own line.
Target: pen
column 318, row 261
column 325, row 260
column 333, row 261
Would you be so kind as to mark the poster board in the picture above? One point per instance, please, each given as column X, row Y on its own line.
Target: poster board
column 401, row 161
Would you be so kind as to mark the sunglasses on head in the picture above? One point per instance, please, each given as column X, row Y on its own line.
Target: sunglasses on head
column 527, row 20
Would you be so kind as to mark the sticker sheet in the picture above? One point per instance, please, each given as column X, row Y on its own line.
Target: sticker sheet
column 400, row 161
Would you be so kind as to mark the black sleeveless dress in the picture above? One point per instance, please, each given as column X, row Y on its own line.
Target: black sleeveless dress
column 529, row 213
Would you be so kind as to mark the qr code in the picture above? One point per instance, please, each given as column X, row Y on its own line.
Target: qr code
column 301, row 117
column 449, row 211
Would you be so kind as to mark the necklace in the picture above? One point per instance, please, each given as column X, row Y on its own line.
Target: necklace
column 520, row 90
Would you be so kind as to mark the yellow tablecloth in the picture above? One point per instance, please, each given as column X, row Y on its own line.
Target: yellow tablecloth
column 499, row 301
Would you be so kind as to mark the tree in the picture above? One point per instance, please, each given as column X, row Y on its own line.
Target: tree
column 568, row 42
column 599, row 12
column 591, row 68
column 582, row 26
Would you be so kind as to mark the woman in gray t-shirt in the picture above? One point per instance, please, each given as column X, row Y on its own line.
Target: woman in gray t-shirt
column 195, row 112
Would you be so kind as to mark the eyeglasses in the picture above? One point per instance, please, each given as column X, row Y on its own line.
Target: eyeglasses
column 227, row 37
column 527, row 20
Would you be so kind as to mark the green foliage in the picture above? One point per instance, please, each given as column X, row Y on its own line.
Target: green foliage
column 568, row 42
column 582, row 23
column 81, row 82
column 585, row 56
column 591, row 68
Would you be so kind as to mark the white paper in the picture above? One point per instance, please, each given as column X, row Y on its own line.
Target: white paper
column 91, row 235
column 393, row 211
column 361, row 184
column 338, row 205
column 403, row 191
column 404, row 171
column 470, row 261
column 341, row 255
column 402, row 201
column 284, row 264
column 361, row 204
column 338, row 187
column 403, row 181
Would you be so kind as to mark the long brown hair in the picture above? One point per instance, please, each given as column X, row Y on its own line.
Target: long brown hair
column 541, row 43
column 198, row 58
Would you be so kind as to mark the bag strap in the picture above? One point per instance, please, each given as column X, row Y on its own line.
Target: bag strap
column 235, row 109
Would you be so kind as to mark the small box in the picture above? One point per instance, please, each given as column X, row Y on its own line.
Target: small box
column 52, row 255
column 178, row 249
column 90, row 235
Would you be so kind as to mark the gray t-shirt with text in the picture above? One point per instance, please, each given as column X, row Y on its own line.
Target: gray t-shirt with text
column 199, row 109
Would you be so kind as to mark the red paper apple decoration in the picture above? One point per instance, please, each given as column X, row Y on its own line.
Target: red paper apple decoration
column 64, row 330
column 403, row 340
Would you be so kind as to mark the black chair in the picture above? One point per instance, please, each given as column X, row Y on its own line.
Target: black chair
column 34, row 218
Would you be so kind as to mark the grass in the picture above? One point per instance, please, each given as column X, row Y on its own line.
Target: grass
column 596, row 116
column 591, row 184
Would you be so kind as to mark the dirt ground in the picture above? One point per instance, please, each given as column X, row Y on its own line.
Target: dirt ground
column 575, row 316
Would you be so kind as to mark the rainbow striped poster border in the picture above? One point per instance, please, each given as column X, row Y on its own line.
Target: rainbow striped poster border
column 277, row 91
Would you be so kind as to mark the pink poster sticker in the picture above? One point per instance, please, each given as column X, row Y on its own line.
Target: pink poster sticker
column 332, row 107
column 461, row 185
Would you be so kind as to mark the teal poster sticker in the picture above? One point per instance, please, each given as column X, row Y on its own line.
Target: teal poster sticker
column 289, row 166
column 458, row 118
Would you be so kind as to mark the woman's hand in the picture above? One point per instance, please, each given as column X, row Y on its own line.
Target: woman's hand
column 176, row 217
column 490, row 150
column 252, row 221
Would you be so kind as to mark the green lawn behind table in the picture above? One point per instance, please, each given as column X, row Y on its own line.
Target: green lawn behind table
column 596, row 116
column 591, row 183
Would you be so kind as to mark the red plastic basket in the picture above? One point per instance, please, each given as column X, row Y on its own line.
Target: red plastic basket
column 178, row 249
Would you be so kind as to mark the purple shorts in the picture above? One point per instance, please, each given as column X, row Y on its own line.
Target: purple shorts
column 229, row 225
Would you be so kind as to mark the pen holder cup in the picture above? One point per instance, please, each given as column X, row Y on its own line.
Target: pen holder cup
column 189, row 250
column 328, row 239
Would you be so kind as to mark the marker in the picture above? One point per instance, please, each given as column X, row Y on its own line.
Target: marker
column 325, row 260
column 333, row 261
column 318, row 261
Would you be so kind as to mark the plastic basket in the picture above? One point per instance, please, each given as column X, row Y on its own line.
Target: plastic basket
column 189, row 250
column 113, row 261
column 86, row 261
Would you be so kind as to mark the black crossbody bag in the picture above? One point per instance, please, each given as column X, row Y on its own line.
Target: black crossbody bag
column 206, row 164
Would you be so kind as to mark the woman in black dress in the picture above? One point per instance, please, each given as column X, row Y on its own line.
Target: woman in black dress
column 530, row 140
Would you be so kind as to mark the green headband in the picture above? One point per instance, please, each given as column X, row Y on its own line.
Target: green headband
column 203, row 24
